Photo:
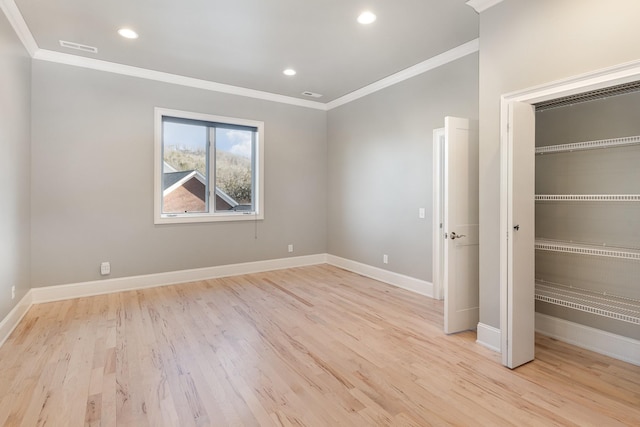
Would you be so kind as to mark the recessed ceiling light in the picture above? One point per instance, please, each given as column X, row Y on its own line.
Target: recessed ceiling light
column 128, row 33
column 289, row 72
column 366, row 18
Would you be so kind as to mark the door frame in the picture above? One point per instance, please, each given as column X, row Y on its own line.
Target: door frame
column 607, row 77
column 437, row 205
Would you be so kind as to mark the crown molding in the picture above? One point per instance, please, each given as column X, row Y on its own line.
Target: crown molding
column 482, row 5
column 16, row 20
column 127, row 70
column 424, row 66
column 19, row 25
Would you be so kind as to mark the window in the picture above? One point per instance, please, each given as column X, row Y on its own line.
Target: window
column 207, row 168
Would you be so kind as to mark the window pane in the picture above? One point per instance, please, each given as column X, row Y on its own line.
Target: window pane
column 234, row 166
column 184, row 168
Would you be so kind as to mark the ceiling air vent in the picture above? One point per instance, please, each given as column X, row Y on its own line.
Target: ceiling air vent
column 311, row 94
column 78, row 46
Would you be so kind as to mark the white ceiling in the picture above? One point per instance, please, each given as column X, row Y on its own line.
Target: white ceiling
column 248, row 43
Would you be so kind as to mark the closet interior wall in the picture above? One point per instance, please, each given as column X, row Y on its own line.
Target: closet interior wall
column 599, row 225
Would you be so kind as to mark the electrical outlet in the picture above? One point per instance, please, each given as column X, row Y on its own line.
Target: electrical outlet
column 421, row 213
column 290, row 248
column 105, row 268
column 13, row 292
column 385, row 259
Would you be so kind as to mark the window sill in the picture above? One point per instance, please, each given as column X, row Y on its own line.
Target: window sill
column 206, row 217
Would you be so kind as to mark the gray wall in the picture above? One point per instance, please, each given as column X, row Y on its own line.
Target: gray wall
column 380, row 167
column 525, row 43
column 92, row 180
column 15, row 106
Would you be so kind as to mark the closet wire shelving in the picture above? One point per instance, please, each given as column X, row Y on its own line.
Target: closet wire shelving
column 586, row 249
column 587, row 198
column 613, row 307
column 599, row 303
column 589, row 145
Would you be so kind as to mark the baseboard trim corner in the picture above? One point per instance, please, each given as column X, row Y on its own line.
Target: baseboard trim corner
column 408, row 283
column 596, row 340
column 11, row 320
column 489, row 337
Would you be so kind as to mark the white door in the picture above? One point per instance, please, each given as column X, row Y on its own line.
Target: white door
column 461, row 257
column 520, row 323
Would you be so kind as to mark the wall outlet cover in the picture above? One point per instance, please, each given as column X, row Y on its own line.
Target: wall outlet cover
column 105, row 268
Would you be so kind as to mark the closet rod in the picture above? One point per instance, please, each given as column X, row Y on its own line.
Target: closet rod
column 589, row 145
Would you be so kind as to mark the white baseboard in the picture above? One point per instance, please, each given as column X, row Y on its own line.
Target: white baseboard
column 596, row 340
column 616, row 346
column 405, row 282
column 106, row 286
column 619, row 347
column 9, row 323
column 489, row 337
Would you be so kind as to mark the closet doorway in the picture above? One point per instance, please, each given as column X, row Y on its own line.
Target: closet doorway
column 517, row 204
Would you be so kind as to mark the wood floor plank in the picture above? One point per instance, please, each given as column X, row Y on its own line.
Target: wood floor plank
column 309, row 346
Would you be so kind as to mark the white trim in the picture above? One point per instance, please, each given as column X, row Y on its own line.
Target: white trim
column 127, row 70
column 16, row 20
column 9, row 323
column 606, row 77
column 612, row 345
column 420, row 68
column 412, row 284
column 437, row 205
column 482, row 5
column 107, row 286
column 100, row 287
column 489, row 337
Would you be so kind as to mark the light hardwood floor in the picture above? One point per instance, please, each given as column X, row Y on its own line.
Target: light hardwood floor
column 312, row 346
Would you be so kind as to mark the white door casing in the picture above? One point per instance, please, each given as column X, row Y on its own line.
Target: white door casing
column 461, row 260
column 438, row 213
column 514, row 346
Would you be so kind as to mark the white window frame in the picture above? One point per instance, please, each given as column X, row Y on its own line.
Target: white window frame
column 191, row 217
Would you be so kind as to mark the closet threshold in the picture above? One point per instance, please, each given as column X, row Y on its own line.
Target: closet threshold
column 587, row 249
column 601, row 304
